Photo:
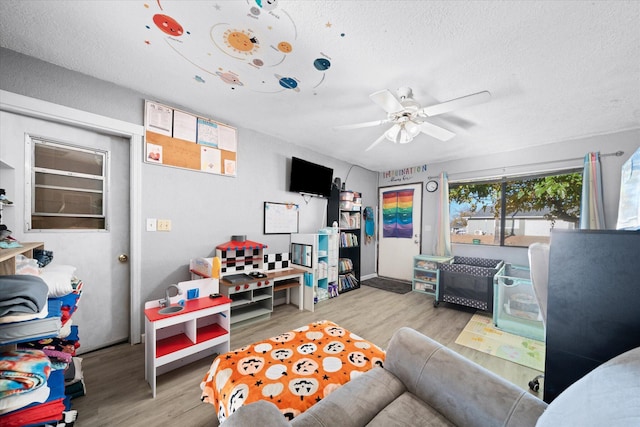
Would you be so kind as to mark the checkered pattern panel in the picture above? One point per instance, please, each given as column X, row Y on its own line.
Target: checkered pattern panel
column 472, row 270
column 276, row 261
column 479, row 262
column 239, row 261
column 480, row 305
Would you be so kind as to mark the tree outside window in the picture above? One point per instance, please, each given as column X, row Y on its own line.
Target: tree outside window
column 514, row 211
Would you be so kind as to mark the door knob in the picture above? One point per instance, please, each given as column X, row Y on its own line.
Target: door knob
column 123, row 257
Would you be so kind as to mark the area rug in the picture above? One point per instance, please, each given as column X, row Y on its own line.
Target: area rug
column 480, row 334
column 386, row 284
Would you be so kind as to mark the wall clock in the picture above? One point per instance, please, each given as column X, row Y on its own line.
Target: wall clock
column 432, row 186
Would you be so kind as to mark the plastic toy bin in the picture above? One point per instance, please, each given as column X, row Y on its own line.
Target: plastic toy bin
column 515, row 308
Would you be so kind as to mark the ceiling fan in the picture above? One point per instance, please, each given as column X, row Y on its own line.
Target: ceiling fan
column 409, row 118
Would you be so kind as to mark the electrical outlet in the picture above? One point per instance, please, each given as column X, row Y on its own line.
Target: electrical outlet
column 151, row 224
column 164, row 225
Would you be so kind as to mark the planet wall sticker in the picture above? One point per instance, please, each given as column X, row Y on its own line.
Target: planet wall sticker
column 249, row 45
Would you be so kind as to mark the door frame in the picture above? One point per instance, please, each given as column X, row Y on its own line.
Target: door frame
column 36, row 108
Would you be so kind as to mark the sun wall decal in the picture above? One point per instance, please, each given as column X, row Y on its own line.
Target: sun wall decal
column 241, row 41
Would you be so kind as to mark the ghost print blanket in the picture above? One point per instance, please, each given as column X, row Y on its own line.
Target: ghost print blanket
column 294, row 370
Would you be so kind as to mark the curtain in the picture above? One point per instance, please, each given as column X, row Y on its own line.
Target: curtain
column 443, row 240
column 591, row 208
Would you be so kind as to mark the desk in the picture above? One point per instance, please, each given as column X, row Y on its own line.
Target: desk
column 292, row 281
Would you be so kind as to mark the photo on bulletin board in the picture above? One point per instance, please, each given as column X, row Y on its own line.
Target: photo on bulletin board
column 280, row 218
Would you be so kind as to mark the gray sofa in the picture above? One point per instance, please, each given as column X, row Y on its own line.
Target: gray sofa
column 426, row 384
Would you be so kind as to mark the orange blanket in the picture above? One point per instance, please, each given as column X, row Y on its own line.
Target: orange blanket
column 293, row 370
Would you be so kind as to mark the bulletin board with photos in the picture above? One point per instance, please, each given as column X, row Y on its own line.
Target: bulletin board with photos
column 184, row 140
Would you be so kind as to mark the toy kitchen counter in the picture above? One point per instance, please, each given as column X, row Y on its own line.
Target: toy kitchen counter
column 252, row 296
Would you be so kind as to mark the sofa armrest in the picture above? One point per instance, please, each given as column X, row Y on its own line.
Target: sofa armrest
column 355, row 403
column 461, row 390
column 260, row 413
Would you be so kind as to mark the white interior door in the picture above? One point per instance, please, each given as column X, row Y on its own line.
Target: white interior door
column 400, row 222
column 103, row 310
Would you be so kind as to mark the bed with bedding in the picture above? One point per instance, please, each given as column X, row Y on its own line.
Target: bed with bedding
column 293, row 370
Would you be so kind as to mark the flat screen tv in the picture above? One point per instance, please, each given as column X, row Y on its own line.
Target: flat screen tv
column 310, row 178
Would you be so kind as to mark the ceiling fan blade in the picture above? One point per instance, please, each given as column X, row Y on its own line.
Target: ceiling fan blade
column 361, row 125
column 455, row 104
column 377, row 141
column 385, row 99
column 436, row 131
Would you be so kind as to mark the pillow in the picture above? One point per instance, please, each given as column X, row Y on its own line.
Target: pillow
column 59, row 282
column 61, row 268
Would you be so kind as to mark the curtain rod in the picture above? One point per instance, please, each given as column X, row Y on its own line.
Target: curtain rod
column 617, row 154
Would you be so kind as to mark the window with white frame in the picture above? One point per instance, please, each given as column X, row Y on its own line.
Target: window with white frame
column 514, row 211
column 67, row 186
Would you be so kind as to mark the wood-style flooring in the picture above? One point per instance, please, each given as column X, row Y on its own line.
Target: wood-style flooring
column 118, row 395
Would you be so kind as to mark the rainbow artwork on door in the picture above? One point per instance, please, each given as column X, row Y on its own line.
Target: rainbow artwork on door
column 397, row 214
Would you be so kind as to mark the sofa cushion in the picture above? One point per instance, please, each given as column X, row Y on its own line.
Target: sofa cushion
column 447, row 381
column 408, row 410
column 607, row 396
column 354, row 404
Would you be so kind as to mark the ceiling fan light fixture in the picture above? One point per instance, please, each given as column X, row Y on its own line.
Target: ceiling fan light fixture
column 393, row 134
column 404, row 136
column 412, row 128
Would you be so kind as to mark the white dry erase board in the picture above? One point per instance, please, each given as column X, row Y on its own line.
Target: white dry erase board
column 280, row 218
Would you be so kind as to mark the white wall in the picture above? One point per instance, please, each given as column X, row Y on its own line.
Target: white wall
column 544, row 158
column 205, row 210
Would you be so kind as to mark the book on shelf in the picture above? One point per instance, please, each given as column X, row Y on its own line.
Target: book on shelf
column 348, row 240
column 347, row 282
column 345, row 265
column 344, row 220
column 355, row 220
column 350, row 219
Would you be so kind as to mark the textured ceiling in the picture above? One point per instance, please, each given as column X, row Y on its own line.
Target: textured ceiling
column 557, row 70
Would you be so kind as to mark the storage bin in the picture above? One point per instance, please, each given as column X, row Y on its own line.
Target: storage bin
column 346, row 205
column 347, row 195
column 515, row 308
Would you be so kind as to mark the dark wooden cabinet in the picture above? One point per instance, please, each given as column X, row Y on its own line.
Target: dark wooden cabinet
column 593, row 309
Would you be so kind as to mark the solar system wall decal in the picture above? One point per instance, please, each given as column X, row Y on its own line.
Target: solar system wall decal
column 247, row 45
